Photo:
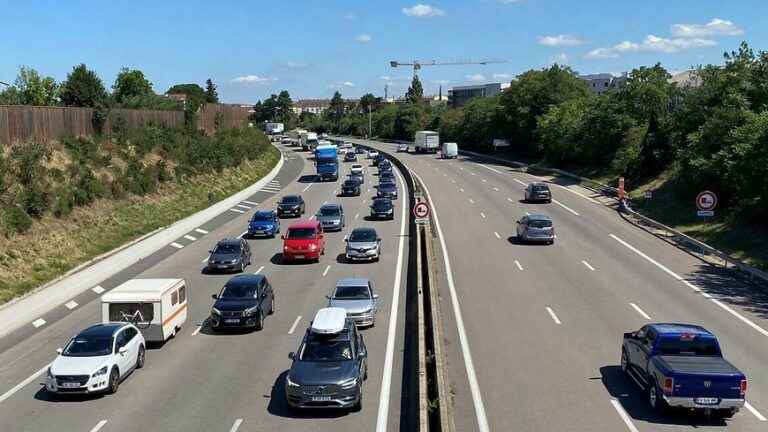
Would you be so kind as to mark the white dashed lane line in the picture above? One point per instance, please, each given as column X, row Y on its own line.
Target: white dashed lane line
column 70, row 304
column 588, row 265
column 259, row 270
column 97, row 289
column 357, row 215
column 510, row 199
column 98, row 426
column 38, row 323
column 554, row 317
column 565, row 206
column 236, row 210
column 236, row 425
column 520, row 267
column 295, row 323
column 250, row 203
column 640, row 311
column 471, row 201
column 177, row 245
column 201, row 231
column 482, row 215
column 243, row 206
column 495, row 188
column 461, row 189
column 325, row 272
column 190, row 238
column 497, row 235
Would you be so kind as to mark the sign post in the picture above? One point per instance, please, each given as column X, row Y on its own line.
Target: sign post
column 421, row 212
column 706, row 201
column 621, row 188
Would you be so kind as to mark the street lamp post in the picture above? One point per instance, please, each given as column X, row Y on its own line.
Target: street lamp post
column 370, row 129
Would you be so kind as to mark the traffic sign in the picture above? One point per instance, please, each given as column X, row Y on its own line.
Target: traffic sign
column 648, row 194
column 706, row 201
column 705, row 213
column 421, row 210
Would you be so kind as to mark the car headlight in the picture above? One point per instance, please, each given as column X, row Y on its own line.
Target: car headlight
column 234, row 260
column 290, row 383
column 348, row 384
column 250, row 311
column 215, row 311
column 102, row 371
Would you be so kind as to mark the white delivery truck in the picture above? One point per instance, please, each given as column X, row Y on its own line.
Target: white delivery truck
column 450, row 150
column 274, row 128
column 158, row 307
column 309, row 141
column 427, row 142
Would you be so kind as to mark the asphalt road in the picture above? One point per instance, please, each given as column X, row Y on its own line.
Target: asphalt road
column 204, row 381
column 533, row 333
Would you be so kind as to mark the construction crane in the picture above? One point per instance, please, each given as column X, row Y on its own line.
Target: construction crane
column 418, row 64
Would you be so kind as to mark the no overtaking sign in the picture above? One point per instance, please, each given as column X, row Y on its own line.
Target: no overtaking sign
column 706, row 202
column 421, row 211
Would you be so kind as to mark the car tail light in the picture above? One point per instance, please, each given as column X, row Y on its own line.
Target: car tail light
column 743, row 387
column 669, row 385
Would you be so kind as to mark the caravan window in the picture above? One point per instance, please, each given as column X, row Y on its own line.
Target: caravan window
column 182, row 294
column 174, row 297
column 131, row 312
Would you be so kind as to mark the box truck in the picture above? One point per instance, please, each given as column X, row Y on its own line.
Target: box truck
column 427, row 142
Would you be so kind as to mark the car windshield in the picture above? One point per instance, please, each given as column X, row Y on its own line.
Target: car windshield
column 238, row 291
column 330, row 211
column 357, row 167
column 259, row 217
column 352, row 293
column 387, row 187
column 88, row 346
column 290, row 200
column 539, row 223
column 301, row 233
column 227, row 248
column 350, row 183
column 363, row 236
column 381, row 204
column 699, row 346
column 319, row 348
column 541, row 188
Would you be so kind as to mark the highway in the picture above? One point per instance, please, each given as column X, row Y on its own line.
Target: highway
column 205, row 381
column 533, row 333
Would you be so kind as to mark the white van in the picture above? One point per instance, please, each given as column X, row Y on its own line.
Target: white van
column 450, row 150
column 158, row 307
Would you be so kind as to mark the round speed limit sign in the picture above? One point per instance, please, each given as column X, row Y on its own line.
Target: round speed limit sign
column 421, row 210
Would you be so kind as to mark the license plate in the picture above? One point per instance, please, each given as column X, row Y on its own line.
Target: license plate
column 232, row 321
column 70, row 384
column 258, row 231
column 707, row 401
column 321, row 398
column 299, row 256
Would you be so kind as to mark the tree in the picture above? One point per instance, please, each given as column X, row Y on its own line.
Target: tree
column 34, row 89
column 284, row 107
column 195, row 95
column 131, row 83
column 211, row 96
column 11, row 96
column 82, row 88
column 369, row 101
column 336, row 109
column 415, row 93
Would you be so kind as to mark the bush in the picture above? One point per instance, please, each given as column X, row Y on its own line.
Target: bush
column 16, row 220
column 63, row 203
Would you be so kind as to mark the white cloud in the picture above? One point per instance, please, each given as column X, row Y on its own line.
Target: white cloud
column 253, row 79
column 441, row 82
column 423, row 11
column 296, row 65
column 502, row 76
column 351, row 16
column 651, row 43
column 560, row 40
column 364, row 38
column 716, row 27
column 341, row 84
column 475, row 77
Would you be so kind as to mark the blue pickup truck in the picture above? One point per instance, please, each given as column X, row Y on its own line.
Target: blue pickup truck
column 682, row 366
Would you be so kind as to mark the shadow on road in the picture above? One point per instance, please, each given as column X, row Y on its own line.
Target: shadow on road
column 308, row 178
column 278, row 405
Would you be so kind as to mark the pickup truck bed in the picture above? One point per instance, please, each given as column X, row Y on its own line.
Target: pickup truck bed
column 698, row 365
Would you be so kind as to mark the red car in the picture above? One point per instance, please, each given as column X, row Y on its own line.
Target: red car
column 304, row 240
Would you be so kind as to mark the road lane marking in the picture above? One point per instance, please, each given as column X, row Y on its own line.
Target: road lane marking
column 453, row 181
column 97, row 289
column 22, row 384
column 335, row 191
column 386, row 379
column 510, row 199
column 517, row 263
column 473, row 173
column 259, row 270
column 640, row 311
column 307, row 188
column 190, row 238
column 98, row 426
column 357, row 215
column 527, row 214
column 649, row 259
column 495, row 188
column 38, row 323
column 471, row 201
column 497, row 235
column 250, row 202
column 242, row 234
column 623, row 414
column 588, row 266
column 491, row 169
column 177, row 245
column 236, row 425
column 554, row 317
column 485, row 181
column 201, row 231
column 461, row 189
column 325, row 272
column 199, row 327
column 295, row 323
column 754, row 412
column 445, row 175
column 243, row 206
column 71, row 304
column 236, row 210
column 482, row 215
column 325, row 202
column 740, row 317
column 518, row 181
column 564, row 206
column 579, row 194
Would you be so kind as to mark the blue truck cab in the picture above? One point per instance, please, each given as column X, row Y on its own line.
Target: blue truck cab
column 682, row 366
column 327, row 162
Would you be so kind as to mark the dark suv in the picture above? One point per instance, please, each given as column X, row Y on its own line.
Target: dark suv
column 243, row 302
column 350, row 187
column 538, row 192
column 230, row 254
column 291, row 205
column 382, row 208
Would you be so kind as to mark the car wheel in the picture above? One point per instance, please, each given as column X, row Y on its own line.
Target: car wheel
column 141, row 357
column 242, row 266
column 624, row 361
column 260, row 322
column 655, row 400
column 359, row 405
column 114, row 381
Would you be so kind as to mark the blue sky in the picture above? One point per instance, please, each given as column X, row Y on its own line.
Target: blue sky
column 311, row 48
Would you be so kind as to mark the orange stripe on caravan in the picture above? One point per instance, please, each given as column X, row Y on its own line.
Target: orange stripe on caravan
column 174, row 314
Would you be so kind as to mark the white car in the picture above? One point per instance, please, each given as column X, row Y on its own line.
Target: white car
column 97, row 359
column 372, row 154
column 357, row 169
column 403, row 148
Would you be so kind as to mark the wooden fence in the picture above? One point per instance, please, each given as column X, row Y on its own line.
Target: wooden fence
column 22, row 123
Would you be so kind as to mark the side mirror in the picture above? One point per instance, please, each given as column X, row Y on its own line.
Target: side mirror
column 214, row 296
column 362, row 352
column 122, row 350
column 59, row 350
column 346, row 238
column 630, row 335
column 378, row 239
column 292, row 355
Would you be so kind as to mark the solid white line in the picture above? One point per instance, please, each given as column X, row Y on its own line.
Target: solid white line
column 236, row 210
column 740, row 317
column 236, row 425
column 564, row 206
column 653, row 261
column 177, row 245
column 250, row 202
column 640, row 311
column 623, row 414
column 754, row 412
column 295, row 323
column 491, row 169
column 189, row 237
column 98, row 426
column 71, row 304
column 522, row 183
column 482, row 215
column 517, row 263
column 307, row 188
column 38, row 323
column 22, row 384
column 259, row 270
column 588, row 266
column 579, row 194
column 554, row 317
column 201, row 231
column 325, row 272
column 497, row 235
column 243, row 206
column 97, row 289
column 386, row 379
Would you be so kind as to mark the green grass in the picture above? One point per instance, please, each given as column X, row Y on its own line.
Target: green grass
column 54, row 246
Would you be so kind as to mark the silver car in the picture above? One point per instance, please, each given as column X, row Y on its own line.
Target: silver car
column 363, row 244
column 538, row 192
column 536, row 228
column 356, row 296
column 331, row 217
